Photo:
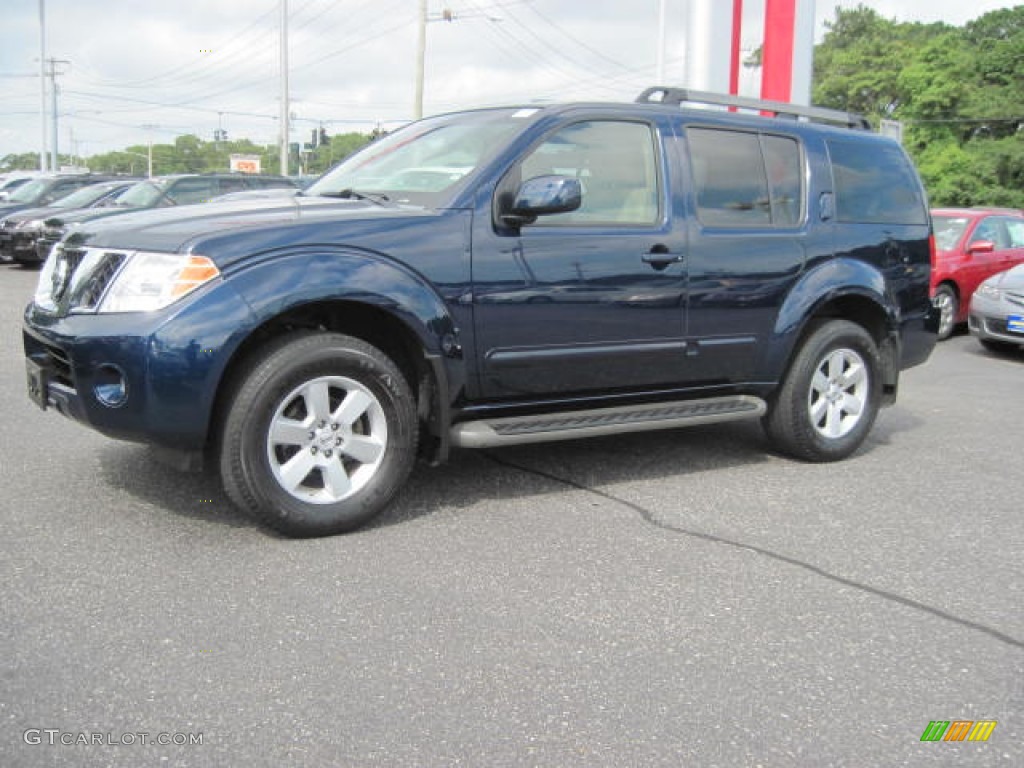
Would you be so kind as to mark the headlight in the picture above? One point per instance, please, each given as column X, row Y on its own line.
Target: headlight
column 989, row 291
column 30, row 224
column 150, row 281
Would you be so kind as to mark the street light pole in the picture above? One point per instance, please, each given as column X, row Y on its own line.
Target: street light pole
column 54, row 160
column 284, row 88
column 661, row 41
column 42, row 85
column 421, row 57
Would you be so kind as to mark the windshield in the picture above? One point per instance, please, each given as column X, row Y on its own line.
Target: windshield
column 82, row 197
column 948, row 230
column 423, row 163
column 142, row 195
column 29, row 193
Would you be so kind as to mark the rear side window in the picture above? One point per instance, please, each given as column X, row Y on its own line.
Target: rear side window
column 875, row 184
column 188, row 191
column 746, row 180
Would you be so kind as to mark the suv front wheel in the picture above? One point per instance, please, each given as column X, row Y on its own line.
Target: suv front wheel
column 320, row 433
column 830, row 395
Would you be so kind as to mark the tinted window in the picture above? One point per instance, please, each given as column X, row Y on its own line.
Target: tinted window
column 874, row 183
column 746, row 180
column 267, row 182
column 232, row 185
column 616, row 164
column 187, row 191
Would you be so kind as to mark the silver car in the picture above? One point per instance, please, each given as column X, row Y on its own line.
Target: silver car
column 996, row 315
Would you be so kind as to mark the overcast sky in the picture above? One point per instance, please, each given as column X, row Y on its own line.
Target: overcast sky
column 191, row 66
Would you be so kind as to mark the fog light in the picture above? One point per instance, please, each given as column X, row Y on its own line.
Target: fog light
column 110, row 388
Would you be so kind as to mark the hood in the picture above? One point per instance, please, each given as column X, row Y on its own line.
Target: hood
column 82, row 215
column 1010, row 280
column 250, row 224
column 27, row 214
column 6, row 208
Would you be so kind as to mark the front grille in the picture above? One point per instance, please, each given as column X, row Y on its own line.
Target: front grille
column 57, row 361
column 1015, row 298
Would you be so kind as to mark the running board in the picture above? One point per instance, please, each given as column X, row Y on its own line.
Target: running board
column 569, row 425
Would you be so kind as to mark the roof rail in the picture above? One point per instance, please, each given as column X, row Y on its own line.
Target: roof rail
column 679, row 96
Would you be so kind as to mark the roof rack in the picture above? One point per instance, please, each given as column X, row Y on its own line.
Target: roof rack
column 678, row 96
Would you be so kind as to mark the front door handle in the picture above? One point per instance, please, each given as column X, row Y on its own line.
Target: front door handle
column 659, row 257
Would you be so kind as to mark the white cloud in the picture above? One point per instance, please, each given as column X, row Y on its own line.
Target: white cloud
column 352, row 61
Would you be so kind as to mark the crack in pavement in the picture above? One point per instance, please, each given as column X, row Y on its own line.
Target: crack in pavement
column 650, row 518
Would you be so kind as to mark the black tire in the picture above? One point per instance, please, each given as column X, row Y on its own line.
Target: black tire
column 324, row 475
column 948, row 304
column 813, row 418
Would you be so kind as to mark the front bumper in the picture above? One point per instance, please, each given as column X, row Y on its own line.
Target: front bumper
column 144, row 377
column 990, row 319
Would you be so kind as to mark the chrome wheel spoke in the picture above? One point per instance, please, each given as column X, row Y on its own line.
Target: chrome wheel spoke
column 834, row 420
column 289, row 432
column 854, row 375
column 352, row 408
column 363, row 449
column 852, row 405
column 318, row 400
column 336, row 482
column 294, row 471
column 818, row 410
column 820, row 382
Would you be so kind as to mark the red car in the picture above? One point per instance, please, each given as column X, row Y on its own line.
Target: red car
column 971, row 244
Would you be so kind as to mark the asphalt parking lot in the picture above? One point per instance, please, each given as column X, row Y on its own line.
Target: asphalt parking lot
column 674, row 599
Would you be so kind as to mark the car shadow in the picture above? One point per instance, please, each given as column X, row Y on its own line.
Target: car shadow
column 1012, row 354
column 136, row 470
column 474, row 476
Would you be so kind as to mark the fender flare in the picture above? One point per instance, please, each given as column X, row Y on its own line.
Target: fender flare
column 840, row 279
column 281, row 282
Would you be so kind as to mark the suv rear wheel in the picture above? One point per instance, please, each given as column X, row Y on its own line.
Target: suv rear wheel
column 320, row 434
column 830, row 396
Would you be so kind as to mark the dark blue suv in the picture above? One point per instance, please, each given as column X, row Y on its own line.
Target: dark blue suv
column 496, row 277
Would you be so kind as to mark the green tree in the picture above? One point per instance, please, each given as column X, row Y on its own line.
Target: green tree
column 958, row 91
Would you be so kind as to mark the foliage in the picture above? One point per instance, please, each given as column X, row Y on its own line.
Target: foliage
column 190, row 154
column 958, row 91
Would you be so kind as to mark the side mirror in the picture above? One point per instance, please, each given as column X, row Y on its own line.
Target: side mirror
column 544, row 196
column 981, row 246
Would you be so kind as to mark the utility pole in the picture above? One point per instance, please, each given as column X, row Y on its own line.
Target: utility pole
column 42, row 85
column 149, row 127
column 285, row 150
column 421, row 58
column 661, row 41
column 54, row 161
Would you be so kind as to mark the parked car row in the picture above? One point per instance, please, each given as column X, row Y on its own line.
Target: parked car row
column 40, row 212
column 20, row 231
column 971, row 245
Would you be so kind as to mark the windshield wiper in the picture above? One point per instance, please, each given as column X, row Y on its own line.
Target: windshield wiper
column 350, row 194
